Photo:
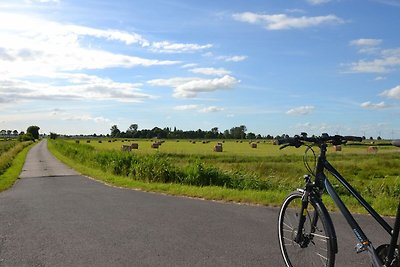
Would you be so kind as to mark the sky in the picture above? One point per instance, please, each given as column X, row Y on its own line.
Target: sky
column 277, row 67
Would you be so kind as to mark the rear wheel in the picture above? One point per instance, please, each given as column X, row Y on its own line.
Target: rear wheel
column 315, row 247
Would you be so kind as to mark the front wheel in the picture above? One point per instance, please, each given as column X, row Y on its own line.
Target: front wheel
column 314, row 247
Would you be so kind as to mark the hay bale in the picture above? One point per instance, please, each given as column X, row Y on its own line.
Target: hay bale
column 88, row 141
column 134, row 146
column 77, row 141
column 155, row 145
column 126, row 148
column 218, row 148
column 253, row 145
column 372, row 149
column 337, row 148
column 100, row 141
column 109, row 141
column 396, row 143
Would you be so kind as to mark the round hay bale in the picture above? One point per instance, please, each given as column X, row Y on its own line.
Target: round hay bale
column 396, row 142
column 155, row 145
column 134, row 146
column 253, row 145
column 337, row 148
column 218, row 148
column 372, row 149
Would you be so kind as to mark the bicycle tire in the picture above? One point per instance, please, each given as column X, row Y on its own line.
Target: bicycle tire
column 321, row 248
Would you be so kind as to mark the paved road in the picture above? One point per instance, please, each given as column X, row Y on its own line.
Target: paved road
column 55, row 217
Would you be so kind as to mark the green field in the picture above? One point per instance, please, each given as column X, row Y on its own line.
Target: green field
column 230, row 147
column 265, row 169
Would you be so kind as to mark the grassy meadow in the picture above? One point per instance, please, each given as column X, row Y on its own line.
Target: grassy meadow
column 262, row 175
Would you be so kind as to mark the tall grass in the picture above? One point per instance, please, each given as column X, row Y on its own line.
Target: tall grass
column 8, row 151
column 12, row 173
column 159, row 168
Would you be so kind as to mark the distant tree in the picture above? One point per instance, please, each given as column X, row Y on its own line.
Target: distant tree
column 34, row 130
column 53, row 136
column 15, row 132
column 133, row 128
column 3, row 132
column 379, row 138
column 9, row 132
column 26, row 137
column 115, row 132
column 251, row 136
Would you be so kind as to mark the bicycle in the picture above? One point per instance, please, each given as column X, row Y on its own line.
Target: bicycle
column 315, row 244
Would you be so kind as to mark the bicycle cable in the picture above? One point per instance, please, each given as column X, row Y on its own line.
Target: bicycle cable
column 305, row 160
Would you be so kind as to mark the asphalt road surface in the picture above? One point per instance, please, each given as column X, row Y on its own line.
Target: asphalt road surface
column 54, row 217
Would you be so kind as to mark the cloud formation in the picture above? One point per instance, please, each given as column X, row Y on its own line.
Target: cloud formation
column 392, row 93
column 303, row 110
column 370, row 105
column 318, row 2
column 210, row 71
column 388, row 60
column 232, row 58
column 76, row 87
column 191, row 87
column 284, row 22
column 199, row 108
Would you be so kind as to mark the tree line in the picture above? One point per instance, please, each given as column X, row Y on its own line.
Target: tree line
column 237, row 132
column 32, row 133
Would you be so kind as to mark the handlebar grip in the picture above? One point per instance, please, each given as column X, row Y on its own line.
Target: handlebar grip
column 291, row 141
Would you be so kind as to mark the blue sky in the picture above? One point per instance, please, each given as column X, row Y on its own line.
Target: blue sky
column 78, row 67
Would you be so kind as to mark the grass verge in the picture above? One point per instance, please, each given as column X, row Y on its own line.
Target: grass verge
column 11, row 174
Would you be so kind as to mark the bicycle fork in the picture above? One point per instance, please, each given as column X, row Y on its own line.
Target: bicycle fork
column 300, row 237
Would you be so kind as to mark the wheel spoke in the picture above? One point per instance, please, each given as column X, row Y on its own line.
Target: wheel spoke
column 315, row 248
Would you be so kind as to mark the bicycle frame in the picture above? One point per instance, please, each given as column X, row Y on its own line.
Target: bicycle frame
column 322, row 182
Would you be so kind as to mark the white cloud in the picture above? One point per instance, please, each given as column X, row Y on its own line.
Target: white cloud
column 379, row 78
column 187, row 107
column 283, row 21
column 192, row 88
column 189, row 87
column 210, row 71
column 167, row 47
column 189, row 65
column 389, row 59
column 211, row 109
column 199, row 108
column 366, row 42
column 42, row 1
column 318, row 2
column 75, row 87
column 303, row 110
column 33, row 46
column 233, row 58
column 370, row 105
column 367, row 46
column 392, row 93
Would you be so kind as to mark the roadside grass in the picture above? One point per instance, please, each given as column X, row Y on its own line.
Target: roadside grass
column 15, row 163
column 245, row 178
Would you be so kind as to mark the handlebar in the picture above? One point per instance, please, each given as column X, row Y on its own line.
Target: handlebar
column 299, row 140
